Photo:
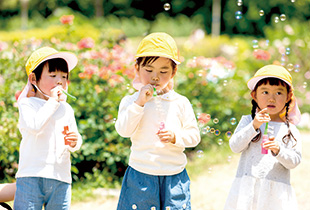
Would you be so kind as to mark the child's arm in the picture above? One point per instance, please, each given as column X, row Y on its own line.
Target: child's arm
column 129, row 116
column 189, row 135
column 243, row 135
column 290, row 157
column 73, row 136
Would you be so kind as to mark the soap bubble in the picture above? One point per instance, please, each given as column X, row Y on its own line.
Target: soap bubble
column 167, row 6
column 153, row 208
column 228, row 134
column 297, row 66
column 261, row 12
column 283, row 17
column 220, row 142
column 216, row 121
column 238, row 15
column 199, row 153
column 217, row 132
column 255, row 43
column 276, row 19
column 290, row 67
column 293, row 1
column 239, row 3
column 288, row 51
column 209, row 170
column 212, row 130
column 134, row 206
column 229, row 158
column 233, row 121
column 305, row 85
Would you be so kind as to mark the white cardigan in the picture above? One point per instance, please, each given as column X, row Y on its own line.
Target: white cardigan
column 148, row 154
column 42, row 149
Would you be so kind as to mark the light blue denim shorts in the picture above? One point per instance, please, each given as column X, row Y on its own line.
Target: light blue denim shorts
column 34, row 192
column 148, row 192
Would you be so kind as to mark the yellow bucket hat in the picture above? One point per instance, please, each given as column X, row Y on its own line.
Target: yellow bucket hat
column 41, row 55
column 276, row 71
column 158, row 44
column 47, row 53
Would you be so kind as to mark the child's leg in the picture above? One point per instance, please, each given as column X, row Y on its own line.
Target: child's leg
column 139, row 191
column 57, row 194
column 28, row 194
column 175, row 192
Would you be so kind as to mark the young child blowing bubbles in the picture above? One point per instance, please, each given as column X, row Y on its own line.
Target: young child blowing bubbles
column 156, row 177
column 49, row 133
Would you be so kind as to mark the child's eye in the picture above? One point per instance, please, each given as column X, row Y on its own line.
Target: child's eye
column 279, row 93
column 265, row 92
column 163, row 72
column 148, row 70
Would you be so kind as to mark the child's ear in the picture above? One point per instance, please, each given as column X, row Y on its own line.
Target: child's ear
column 32, row 79
column 253, row 94
column 174, row 71
column 289, row 96
column 137, row 67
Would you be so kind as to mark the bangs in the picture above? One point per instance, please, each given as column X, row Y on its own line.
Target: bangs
column 272, row 81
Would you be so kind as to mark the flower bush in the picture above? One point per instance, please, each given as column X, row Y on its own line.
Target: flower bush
column 213, row 76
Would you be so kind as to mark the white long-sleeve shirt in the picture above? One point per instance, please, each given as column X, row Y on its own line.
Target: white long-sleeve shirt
column 43, row 152
column 148, row 154
column 263, row 180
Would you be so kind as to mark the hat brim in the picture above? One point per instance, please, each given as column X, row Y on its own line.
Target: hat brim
column 70, row 58
column 253, row 81
column 159, row 55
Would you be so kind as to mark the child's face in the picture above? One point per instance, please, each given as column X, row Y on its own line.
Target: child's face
column 49, row 80
column 157, row 73
column 272, row 97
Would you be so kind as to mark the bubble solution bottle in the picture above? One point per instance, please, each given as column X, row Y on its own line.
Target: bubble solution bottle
column 265, row 138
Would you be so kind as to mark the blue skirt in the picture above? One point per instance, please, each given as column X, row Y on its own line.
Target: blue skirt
column 149, row 192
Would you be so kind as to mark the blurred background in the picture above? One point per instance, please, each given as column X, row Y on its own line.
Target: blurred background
column 222, row 43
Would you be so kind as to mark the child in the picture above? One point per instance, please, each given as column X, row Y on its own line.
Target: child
column 49, row 132
column 160, row 128
column 263, row 180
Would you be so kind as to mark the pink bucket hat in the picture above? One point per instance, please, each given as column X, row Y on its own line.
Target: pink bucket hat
column 276, row 71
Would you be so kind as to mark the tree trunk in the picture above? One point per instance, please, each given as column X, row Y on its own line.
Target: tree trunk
column 99, row 8
column 216, row 18
column 24, row 13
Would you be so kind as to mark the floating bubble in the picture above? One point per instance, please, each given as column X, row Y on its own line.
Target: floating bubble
column 290, row 67
column 239, row 3
column 199, row 153
column 261, row 12
column 134, row 206
column 305, row 85
column 229, row 158
column 200, row 73
column 216, row 121
column 114, row 120
column 233, row 121
column 209, row 170
column 228, row 134
column 293, row 1
column 238, row 15
column 297, row 66
column 167, row 208
column 212, row 130
column 288, row 51
column 167, row 6
column 225, row 82
column 255, row 43
column 217, row 132
column 220, row 142
column 153, row 208
column 276, row 19
column 267, row 42
column 283, row 17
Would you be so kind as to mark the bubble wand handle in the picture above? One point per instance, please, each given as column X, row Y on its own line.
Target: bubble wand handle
column 160, row 110
column 265, row 138
column 69, row 95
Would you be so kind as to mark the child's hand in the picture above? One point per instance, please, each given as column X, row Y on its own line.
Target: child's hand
column 56, row 93
column 166, row 136
column 272, row 145
column 146, row 93
column 71, row 139
column 261, row 117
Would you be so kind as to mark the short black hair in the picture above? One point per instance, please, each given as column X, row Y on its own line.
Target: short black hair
column 150, row 59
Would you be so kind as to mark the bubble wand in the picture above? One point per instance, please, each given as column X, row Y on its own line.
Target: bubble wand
column 265, row 138
column 159, row 108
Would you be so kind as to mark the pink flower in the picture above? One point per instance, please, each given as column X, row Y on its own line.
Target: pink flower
column 204, row 118
column 67, row 19
column 86, row 43
column 261, row 54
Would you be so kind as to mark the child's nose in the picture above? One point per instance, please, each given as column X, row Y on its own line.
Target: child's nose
column 155, row 78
